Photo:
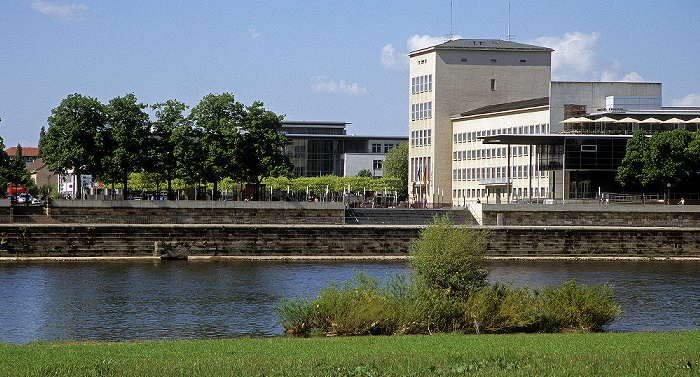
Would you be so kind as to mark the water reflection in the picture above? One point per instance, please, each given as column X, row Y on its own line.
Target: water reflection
column 115, row 301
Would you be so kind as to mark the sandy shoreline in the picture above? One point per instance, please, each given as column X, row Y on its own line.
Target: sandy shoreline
column 205, row 258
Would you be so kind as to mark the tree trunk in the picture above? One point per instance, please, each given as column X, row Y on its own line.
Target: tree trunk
column 125, row 178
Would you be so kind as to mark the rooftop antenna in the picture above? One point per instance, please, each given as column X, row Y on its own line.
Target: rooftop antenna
column 510, row 37
column 449, row 36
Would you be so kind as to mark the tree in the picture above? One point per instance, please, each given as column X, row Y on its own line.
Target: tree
column 259, row 151
column 42, row 135
column 17, row 173
column 125, row 139
column 73, row 138
column 664, row 158
column 169, row 131
column 217, row 119
column 396, row 166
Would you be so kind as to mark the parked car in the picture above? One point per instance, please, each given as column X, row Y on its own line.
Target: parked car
column 24, row 198
column 37, row 201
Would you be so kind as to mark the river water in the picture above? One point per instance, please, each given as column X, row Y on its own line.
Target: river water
column 147, row 300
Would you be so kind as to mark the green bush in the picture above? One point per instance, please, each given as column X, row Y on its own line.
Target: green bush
column 448, row 293
column 574, row 306
column 450, row 257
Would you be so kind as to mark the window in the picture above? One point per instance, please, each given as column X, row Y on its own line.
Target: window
column 377, row 164
column 421, row 110
column 387, row 147
column 376, row 148
column 523, row 61
column 493, row 84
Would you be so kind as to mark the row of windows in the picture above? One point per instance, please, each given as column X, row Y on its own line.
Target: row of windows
column 520, row 192
column 465, row 137
column 423, row 110
column 494, row 172
column 420, row 168
column 421, row 138
column 382, row 148
column 478, row 154
column 421, row 84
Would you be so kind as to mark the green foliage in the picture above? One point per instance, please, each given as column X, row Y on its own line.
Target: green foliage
column 395, row 165
column 449, row 257
column 74, row 138
column 448, row 293
column 665, row 157
column 168, row 140
column 335, row 184
column 574, row 306
column 364, row 173
column 125, row 148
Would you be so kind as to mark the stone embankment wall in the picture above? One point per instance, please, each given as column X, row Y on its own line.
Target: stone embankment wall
column 63, row 240
column 592, row 215
column 179, row 212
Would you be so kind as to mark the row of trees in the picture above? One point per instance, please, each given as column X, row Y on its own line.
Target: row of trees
column 653, row 162
column 220, row 138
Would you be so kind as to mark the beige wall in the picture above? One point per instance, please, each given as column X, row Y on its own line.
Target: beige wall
column 462, row 82
column 592, row 95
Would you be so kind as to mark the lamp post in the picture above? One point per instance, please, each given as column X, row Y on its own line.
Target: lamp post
column 668, row 193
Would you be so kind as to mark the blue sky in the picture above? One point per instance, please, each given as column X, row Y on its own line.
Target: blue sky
column 314, row 60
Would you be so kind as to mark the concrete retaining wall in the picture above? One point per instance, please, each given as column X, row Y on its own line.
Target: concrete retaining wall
column 62, row 240
column 591, row 215
column 184, row 212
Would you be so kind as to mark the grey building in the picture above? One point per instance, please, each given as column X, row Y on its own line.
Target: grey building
column 324, row 148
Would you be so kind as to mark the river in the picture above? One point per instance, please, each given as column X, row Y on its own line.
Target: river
column 147, row 300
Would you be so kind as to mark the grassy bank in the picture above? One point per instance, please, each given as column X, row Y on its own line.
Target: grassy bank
column 611, row 354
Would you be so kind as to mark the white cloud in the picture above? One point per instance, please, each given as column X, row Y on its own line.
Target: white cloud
column 389, row 59
column 691, row 100
column 254, row 34
column 418, row 42
column 62, row 11
column 574, row 59
column 632, row 77
column 321, row 84
column 399, row 62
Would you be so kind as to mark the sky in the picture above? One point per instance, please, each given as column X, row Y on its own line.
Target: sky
column 315, row 60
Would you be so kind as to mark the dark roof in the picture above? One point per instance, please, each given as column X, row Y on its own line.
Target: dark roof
column 483, row 45
column 524, row 104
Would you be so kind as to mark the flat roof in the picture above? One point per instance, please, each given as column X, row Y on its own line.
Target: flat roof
column 482, row 45
column 543, row 139
column 324, row 136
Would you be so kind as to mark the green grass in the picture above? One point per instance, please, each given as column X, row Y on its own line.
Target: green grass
column 572, row 354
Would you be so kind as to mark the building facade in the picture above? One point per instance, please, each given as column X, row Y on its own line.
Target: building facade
column 457, row 76
column 324, row 148
column 486, row 124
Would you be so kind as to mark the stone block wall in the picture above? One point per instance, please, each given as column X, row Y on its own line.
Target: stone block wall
column 592, row 215
column 115, row 240
column 189, row 212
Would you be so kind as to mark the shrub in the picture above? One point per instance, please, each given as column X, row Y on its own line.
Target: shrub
column 574, row 306
column 449, row 257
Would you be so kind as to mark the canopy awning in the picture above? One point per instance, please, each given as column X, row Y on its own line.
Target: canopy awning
column 627, row 120
column 674, row 121
column 576, row 120
column 650, row 120
column 605, row 120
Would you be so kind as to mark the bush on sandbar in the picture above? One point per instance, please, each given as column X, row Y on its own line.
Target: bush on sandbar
column 448, row 292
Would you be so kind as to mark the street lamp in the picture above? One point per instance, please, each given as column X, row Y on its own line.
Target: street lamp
column 668, row 193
